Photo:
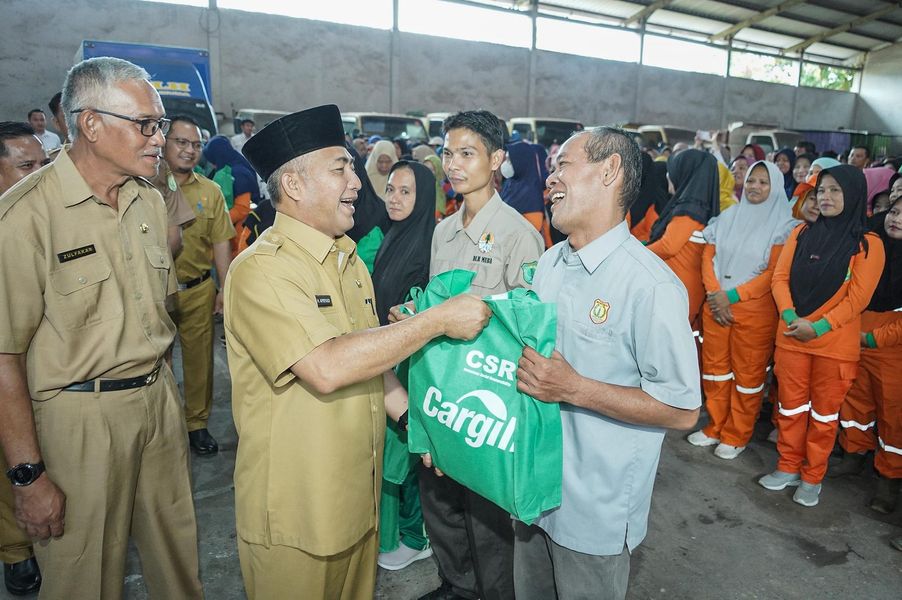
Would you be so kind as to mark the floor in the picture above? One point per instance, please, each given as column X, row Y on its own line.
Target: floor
column 713, row 532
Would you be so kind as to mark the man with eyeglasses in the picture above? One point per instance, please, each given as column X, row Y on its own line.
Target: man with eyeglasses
column 91, row 423
column 205, row 242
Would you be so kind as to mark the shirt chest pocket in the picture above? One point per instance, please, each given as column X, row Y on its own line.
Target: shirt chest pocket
column 160, row 263
column 84, row 293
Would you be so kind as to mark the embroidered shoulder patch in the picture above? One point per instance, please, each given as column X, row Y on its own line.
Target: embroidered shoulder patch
column 529, row 271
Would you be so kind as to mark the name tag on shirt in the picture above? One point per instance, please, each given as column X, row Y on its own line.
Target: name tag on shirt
column 324, row 301
column 76, row 253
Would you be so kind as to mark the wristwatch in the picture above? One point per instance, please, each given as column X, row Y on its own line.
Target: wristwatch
column 25, row 473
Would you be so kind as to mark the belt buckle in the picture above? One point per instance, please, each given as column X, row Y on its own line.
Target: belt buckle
column 151, row 378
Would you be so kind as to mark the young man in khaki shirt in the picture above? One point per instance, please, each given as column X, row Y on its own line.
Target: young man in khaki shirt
column 94, row 427
column 311, row 379
column 205, row 241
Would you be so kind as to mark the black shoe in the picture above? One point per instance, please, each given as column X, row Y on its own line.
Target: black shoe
column 202, row 443
column 444, row 592
column 22, row 578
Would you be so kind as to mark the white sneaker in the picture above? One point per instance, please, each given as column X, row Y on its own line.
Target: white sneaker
column 700, row 439
column 728, row 452
column 402, row 557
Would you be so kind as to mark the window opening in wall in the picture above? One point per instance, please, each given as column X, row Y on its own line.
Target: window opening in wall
column 772, row 69
column 676, row 54
column 827, row 77
column 587, row 40
column 364, row 13
column 464, row 22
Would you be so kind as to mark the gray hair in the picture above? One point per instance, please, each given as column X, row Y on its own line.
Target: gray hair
column 606, row 141
column 273, row 184
column 90, row 80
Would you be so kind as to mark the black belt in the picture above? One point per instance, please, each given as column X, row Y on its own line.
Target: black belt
column 194, row 282
column 115, row 385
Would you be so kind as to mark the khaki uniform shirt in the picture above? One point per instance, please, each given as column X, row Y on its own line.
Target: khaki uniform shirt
column 82, row 287
column 211, row 226
column 499, row 245
column 178, row 211
column 309, row 466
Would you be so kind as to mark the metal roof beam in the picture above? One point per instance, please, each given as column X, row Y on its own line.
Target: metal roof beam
column 646, row 12
column 800, row 47
column 774, row 10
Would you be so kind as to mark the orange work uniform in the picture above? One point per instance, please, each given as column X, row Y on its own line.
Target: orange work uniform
column 642, row 230
column 681, row 248
column 735, row 357
column 875, row 398
column 816, row 375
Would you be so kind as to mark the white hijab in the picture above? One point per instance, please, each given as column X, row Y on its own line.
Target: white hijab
column 745, row 232
column 376, row 178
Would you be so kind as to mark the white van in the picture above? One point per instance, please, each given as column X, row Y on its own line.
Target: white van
column 544, row 131
column 386, row 126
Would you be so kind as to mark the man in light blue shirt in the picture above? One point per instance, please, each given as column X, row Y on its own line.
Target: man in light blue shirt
column 624, row 370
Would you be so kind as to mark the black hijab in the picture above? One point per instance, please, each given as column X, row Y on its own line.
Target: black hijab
column 821, row 260
column 697, row 184
column 789, row 182
column 369, row 209
column 888, row 295
column 403, row 258
column 652, row 191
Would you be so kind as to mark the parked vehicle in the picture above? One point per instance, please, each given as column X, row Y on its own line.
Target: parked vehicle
column 384, row 125
column 544, row 131
column 435, row 123
column 667, row 135
column 180, row 75
column 771, row 140
column 259, row 116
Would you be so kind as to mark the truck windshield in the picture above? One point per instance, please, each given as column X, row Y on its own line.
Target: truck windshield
column 199, row 111
column 393, row 127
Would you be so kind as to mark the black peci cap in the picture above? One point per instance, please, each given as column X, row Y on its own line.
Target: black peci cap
column 292, row 136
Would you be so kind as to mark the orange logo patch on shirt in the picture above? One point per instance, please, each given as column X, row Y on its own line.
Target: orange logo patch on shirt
column 599, row 312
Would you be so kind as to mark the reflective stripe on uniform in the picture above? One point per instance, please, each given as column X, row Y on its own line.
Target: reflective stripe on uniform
column 789, row 412
column 697, row 238
column 747, row 390
column 823, row 418
column 857, row 425
column 887, row 447
column 708, row 377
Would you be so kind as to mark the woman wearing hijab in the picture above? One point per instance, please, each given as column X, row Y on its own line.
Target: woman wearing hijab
column 740, row 317
column 652, row 194
column 676, row 236
column 434, row 164
column 739, row 168
column 403, row 263
column 785, row 159
column 801, row 168
column 379, row 163
column 819, row 164
column 753, row 152
column 824, row 279
column 878, row 179
column 246, row 191
column 875, row 398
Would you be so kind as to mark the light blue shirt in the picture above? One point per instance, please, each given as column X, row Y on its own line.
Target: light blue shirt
column 621, row 320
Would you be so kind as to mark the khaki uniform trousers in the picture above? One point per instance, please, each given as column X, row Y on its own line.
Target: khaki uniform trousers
column 194, row 319
column 121, row 459
column 285, row 572
column 15, row 545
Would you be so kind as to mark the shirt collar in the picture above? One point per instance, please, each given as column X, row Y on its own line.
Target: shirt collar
column 595, row 252
column 75, row 188
column 315, row 243
column 479, row 223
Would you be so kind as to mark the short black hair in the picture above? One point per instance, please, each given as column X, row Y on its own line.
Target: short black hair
column 54, row 104
column 10, row 130
column 251, row 121
column 602, row 143
column 829, row 154
column 809, row 157
column 34, row 110
column 184, row 119
column 807, row 146
column 867, row 151
column 487, row 126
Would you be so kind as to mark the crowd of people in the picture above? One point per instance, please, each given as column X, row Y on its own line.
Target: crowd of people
column 728, row 280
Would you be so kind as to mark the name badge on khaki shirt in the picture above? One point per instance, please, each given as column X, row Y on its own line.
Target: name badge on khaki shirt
column 76, row 253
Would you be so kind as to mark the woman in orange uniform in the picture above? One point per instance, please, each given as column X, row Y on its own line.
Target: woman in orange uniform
column 740, row 317
column 824, row 279
column 653, row 196
column 876, row 395
column 676, row 236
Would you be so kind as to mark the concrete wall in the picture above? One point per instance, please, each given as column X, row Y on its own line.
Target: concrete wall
column 880, row 100
column 272, row 62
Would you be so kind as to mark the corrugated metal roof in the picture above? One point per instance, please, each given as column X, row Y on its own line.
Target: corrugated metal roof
column 798, row 24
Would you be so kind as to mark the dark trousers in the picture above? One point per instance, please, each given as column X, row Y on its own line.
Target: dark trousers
column 545, row 570
column 472, row 538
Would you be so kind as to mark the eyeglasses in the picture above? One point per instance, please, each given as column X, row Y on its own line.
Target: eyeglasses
column 149, row 127
column 183, row 144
